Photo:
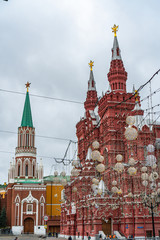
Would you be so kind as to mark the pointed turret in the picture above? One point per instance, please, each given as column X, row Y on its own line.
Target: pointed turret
column 117, row 75
column 25, row 161
column 27, row 115
column 91, row 82
column 116, row 52
column 91, row 99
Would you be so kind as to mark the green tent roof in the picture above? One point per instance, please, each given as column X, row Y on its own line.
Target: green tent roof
column 27, row 115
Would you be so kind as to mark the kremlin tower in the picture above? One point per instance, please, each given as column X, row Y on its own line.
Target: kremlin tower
column 25, row 166
column 26, row 192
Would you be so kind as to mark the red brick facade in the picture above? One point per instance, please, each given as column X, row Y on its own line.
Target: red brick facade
column 84, row 213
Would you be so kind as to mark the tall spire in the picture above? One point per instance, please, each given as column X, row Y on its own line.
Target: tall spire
column 27, row 115
column 91, row 82
column 117, row 75
column 91, row 99
column 115, row 50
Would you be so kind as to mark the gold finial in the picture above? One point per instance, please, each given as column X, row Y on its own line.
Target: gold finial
column 27, row 85
column 115, row 29
column 91, row 64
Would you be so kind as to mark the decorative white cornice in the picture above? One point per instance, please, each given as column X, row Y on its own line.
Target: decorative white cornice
column 25, row 154
column 30, row 188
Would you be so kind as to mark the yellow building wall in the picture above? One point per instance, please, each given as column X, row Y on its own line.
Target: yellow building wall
column 2, row 192
column 53, row 199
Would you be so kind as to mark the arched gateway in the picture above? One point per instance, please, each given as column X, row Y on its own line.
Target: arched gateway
column 28, row 225
column 106, row 227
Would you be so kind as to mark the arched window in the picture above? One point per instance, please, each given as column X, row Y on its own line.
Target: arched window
column 33, row 170
column 26, row 170
column 119, row 86
column 17, row 214
column 105, row 154
column 32, row 140
column 19, row 170
column 21, row 138
column 17, row 201
column 116, row 85
column 41, row 213
column 27, row 139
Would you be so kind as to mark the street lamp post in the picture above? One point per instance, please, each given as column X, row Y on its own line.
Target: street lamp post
column 152, row 201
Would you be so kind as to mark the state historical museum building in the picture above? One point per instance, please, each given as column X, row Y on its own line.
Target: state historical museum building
column 132, row 208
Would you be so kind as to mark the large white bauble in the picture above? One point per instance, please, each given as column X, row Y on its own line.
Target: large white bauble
column 95, row 181
column 95, row 145
column 151, row 160
column 74, row 189
column 119, row 167
column 150, row 148
column 119, row 191
column 144, row 176
column 154, row 166
column 114, row 189
column 119, row 158
column 132, row 162
column 100, row 167
column 114, row 183
column 153, row 194
column 155, row 175
column 130, row 120
column 95, row 155
column 144, row 169
column 132, row 171
column 130, row 133
column 94, row 187
column 153, row 185
column 101, row 159
column 145, row 183
column 99, row 192
column 151, row 179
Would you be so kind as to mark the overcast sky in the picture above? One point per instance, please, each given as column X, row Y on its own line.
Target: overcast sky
column 49, row 43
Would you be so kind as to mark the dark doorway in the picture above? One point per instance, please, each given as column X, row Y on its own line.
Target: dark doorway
column 106, row 226
column 54, row 229
column 149, row 233
column 28, row 225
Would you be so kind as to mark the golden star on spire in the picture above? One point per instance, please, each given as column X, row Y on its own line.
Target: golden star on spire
column 91, row 64
column 28, row 85
column 115, row 29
